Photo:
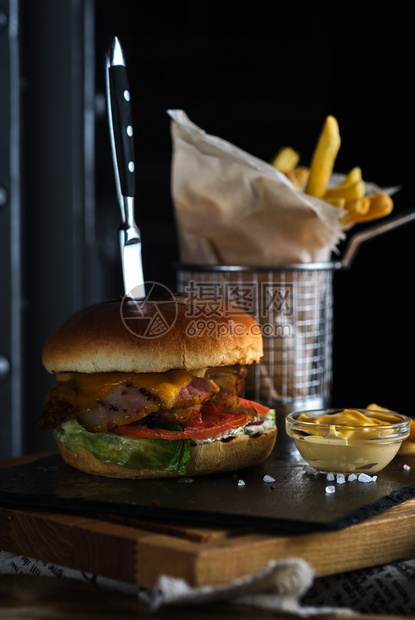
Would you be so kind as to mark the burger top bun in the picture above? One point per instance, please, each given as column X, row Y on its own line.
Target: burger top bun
column 153, row 336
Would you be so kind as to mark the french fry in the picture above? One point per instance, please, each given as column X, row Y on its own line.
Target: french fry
column 360, row 206
column 348, row 219
column 286, row 159
column 338, row 202
column 380, row 205
column 323, row 159
column 349, row 195
column 356, row 209
column 351, row 177
column 299, row 177
column 354, row 190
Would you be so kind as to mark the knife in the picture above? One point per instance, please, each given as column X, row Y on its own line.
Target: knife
column 122, row 146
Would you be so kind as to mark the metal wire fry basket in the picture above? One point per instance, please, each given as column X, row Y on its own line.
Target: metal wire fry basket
column 294, row 307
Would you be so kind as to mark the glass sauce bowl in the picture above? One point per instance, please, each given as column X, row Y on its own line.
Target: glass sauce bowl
column 347, row 440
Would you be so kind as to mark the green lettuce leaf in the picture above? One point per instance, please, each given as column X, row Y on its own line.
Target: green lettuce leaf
column 129, row 452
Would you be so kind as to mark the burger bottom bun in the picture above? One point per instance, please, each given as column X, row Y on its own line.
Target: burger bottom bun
column 207, row 458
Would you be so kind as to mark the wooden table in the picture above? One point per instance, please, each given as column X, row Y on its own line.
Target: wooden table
column 136, row 551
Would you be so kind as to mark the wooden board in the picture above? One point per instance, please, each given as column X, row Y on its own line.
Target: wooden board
column 138, row 551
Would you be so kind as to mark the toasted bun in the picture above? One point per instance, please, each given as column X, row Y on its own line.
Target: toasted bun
column 122, row 336
column 206, row 458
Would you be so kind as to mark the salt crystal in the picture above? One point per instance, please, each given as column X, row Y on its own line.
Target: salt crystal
column 330, row 477
column 340, row 478
column 364, row 478
column 351, row 477
column 267, row 478
column 406, row 467
column 330, row 489
column 241, row 483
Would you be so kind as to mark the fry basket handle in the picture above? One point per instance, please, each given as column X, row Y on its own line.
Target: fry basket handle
column 375, row 231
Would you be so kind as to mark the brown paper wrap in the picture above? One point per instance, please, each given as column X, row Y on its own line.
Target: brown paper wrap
column 234, row 209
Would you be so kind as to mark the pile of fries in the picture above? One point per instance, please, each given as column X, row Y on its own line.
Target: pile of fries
column 350, row 195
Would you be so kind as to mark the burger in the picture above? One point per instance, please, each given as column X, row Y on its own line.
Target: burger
column 149, row 389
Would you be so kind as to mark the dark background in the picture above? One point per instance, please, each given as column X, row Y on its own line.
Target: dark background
column 260, row 75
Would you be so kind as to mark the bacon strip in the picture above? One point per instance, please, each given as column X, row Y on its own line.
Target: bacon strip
column 121, row 406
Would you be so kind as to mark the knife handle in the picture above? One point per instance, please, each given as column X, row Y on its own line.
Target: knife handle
column 122, row 128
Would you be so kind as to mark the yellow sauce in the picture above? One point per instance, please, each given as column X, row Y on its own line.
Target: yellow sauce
column 349, row 417
column 355, row 423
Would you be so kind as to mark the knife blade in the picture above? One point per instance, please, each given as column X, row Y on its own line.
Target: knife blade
column 122, row 147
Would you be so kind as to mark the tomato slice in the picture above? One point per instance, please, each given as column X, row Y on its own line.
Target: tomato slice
column 260, row 409
column 209, row 423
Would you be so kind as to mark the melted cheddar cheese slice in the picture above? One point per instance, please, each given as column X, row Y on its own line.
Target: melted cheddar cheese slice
column 85, row 390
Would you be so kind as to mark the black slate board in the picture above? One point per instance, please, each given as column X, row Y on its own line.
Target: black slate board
column 296, row 501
